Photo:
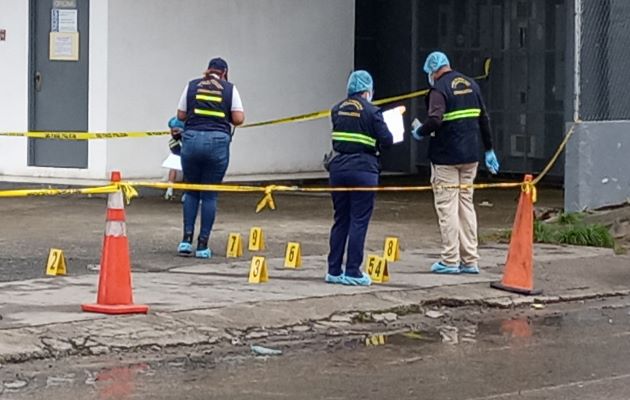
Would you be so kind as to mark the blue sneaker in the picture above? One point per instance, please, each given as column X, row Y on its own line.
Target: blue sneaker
column 352, row 281
column 205, row 253
column 184, row 249
column 334, row 278
column 468, row 269
column 439, row 268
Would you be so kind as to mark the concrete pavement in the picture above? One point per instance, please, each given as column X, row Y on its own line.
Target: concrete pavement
column 212, row 302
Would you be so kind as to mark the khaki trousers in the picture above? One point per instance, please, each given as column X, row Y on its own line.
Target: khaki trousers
column 456, row 213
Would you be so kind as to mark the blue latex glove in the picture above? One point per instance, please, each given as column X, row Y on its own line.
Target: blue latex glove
column 491, row 162
column 175, row 123
column 415, row 130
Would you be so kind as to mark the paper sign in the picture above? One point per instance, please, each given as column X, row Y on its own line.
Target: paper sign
column 293, row 255
column 64, row 46
column 391, row 251
column 173, row 161
column 395, row 123
column 56, row 264
column 234, row 246
column 258, row 270
column 63, row 20
column 377, row 269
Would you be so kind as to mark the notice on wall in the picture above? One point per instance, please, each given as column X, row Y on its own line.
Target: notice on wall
column 64, row 46
column 64, row 20
column 64, row 3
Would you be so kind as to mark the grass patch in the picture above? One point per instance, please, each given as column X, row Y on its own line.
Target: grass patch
column 570, row 229
column 564, row 229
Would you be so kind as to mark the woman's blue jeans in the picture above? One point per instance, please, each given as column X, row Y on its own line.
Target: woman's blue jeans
column 205, row 158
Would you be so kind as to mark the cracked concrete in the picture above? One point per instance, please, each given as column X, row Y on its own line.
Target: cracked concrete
column 212, row 303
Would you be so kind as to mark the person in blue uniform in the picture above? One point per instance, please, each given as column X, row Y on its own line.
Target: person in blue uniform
column 457, row 118
column 359, row 133
column 175, row 145
column 210, row 107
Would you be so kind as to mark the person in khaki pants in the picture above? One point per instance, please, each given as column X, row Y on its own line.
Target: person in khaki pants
column 456, row 119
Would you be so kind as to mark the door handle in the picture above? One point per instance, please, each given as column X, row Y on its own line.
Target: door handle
column 38, row 81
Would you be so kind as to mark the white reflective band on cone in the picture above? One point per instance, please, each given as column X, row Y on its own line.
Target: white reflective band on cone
column 115, row 229
column 115, row 201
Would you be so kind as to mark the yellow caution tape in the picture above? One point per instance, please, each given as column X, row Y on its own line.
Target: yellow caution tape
column 296, row 118
column 326, row 113
column 83, row 135
column 58, row 192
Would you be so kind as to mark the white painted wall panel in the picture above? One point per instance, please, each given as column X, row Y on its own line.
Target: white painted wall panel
column 13, row 84
column 286, row 57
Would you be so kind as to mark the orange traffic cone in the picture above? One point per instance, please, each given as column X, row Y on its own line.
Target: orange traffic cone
column 518, row 276
column 114, row 285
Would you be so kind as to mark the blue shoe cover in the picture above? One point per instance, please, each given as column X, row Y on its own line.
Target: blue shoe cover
column 468, row 269
column 352, row 281
column 185, row 249
column 334, row 278
column 439, row 268
column 205, row 253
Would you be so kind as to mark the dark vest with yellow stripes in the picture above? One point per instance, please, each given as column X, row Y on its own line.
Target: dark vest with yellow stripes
column 209, row 105
column 457, row 139
column 351, row 126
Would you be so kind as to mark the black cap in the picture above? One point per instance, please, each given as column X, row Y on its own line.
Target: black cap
column 218, row 64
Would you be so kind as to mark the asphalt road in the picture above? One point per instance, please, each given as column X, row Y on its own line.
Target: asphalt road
column 566, row 352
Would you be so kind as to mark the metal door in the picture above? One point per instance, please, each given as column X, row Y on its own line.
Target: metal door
column 58, row 88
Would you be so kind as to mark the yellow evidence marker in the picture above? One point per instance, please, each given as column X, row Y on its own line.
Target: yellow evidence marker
column 258, row 270
column 377, row 269
column 56, row 264
column 293, row 255
column 234, row 246
column 391, row 252
column 375, row 340
column 256, row 239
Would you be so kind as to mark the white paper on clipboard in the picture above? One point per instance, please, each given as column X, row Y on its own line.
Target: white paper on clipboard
column 173, row 161
column 395, row 123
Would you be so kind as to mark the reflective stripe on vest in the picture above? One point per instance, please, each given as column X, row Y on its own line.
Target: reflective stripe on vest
column 209, row 113
column 354, row 137
column 204, row 97
column 461, row 114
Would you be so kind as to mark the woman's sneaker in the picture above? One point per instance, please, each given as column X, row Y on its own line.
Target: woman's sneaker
column 185, row 249
column 205, row 253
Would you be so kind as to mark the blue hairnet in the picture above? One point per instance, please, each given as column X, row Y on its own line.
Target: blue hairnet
column 175, row 123
column 435, row 61
column 360, row 81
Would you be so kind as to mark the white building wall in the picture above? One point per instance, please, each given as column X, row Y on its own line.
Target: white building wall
column 286, row 57
column 13, row 83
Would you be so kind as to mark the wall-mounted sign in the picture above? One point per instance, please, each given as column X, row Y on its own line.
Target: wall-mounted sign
column 64, row 3
column 64, row 46
column 63, row 20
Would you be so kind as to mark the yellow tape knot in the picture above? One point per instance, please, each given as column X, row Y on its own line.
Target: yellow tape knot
column 267, row 200
column 529, row 187
column 129, row 192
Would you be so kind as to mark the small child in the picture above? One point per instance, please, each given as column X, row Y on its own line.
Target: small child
column 175, row 144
